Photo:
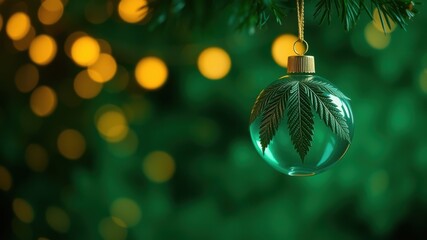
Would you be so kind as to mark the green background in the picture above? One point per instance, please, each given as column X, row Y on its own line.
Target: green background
column 221, row 188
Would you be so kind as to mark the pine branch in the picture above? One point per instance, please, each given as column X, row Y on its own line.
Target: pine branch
column 251, row 14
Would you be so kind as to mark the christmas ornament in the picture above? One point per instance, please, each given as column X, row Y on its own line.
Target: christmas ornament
column 301, row 124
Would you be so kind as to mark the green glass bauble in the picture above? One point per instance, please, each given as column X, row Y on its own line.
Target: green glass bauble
column 301, row 124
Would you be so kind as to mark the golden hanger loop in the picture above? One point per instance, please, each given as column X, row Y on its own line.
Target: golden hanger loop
column 300, row 14
column 305, row 44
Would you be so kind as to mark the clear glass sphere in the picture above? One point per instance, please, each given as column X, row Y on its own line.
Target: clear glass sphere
column 326, row 147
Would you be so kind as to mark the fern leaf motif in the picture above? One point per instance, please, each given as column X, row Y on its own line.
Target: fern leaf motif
column 262, row 100
column 326, row 109
column 273, row 113
column 300, row 119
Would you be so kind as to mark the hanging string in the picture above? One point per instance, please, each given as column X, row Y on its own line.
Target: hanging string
column 300, row 14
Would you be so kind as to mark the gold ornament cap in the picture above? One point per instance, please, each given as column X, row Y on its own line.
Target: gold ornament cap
column 301, row 64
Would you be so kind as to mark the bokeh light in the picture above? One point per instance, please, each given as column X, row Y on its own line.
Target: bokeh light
column 151, row 73
column 43, row 101
column 375, row 38
column 36, row 157
column 376, row 21
column 85, row 51
column 282, row 48
column 23, row 210
column 133, row 11
column 70, row 41
column 214, row 63
column 104, row 69
column 127, row 210
column 57, row 219
column 42, row 49
column 105, row 46
column 5, row 179
column 50, row 11
column 112, row 124
column 85, row 87
column 26, row 78
column 112, row 229
column 423, row 80
column 24, row 43
column 158, row 166
column 71, row 144
column 18, row 25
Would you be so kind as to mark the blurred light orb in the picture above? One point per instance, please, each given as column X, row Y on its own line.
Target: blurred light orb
column 42, row 49
column 133, row 11
column 26, row 78
column 375, row 38
column 36, row 157
column 112, row 229
column 85, row 51
column 158, row 166
column 104, row 46
column 112, row 125
column 71, row 144
column 70, row 41
column 127, row 210
column 423, row 80
column 18, row 26
column 57, row 219
column 376, row 21
column 43, row 101
column 282, row 48
column 214, row 63
column 151, row 73
column 24, row 43
column 104, row 69
column 85, row 87
column 50, row 11
column 5, row 179
column 23, row 210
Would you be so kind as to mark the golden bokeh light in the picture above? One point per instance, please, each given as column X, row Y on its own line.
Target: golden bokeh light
column 376, row 21
column 50, row 11
column 375, row 38
column 283, row 47
column 104, row 69
column 214, row 63
column 85, row 51
column 85, row 87
column 5, row 179
column 57, row 219
column 24, row 43
column 23, row 210
column 133, row 11
column 151, row 73
column 70, row 41
column 18, row 26
column 112, row 124
column 42, row 49
column 36, row 157
column 43, row 101
column 71, row 144
column 127, row 210
column 112, row 229
column 423, row 80
column 26, row 78
column 158, row 166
